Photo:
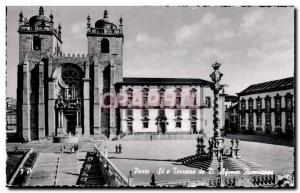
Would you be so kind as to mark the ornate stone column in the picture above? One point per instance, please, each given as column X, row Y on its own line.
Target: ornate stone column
column 217, row 141
column 217, row 87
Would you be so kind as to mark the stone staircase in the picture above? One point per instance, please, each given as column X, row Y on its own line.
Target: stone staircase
column 90, row 174
column 66, row 169
column 203, row 162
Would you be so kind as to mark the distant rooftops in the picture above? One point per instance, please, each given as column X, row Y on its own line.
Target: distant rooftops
column 231, row 98
column 163, row 81
column 275, row 85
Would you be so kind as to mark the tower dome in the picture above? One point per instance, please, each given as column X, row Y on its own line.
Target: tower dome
column 105, row 23
column 40, row 18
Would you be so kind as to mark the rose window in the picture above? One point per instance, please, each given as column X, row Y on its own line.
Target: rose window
column 71, row 78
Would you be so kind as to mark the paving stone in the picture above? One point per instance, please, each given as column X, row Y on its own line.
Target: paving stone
column 41, row 181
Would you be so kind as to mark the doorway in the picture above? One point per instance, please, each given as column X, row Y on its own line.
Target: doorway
column 162, row 127
column 193, row 128
column 71, row 123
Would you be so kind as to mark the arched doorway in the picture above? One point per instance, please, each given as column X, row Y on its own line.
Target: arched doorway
column 69, row 105
column 193, row 129
column 161, row 122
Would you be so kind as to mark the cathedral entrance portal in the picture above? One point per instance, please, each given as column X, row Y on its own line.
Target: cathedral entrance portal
column 71, row 123
column 69, row 105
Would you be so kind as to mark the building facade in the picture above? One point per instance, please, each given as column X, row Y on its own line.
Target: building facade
column 166, row 106
column 231, row 113
column 11, row 116
column 60, row 94
column 268, row 108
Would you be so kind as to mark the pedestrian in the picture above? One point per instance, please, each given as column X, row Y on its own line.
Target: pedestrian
column 117, row 148
column 152, row 183
column 151, row 137
column 120, row 148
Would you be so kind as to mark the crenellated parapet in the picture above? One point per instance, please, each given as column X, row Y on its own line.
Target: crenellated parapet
column 73, row 58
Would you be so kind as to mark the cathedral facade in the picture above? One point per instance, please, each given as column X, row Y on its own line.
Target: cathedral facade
column 87, row 95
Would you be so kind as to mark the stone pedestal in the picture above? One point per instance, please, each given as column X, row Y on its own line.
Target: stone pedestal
column 60, row 131
column 96, row 130
column 216, row 148
column 112, row 133
column 200, row 147
column 235, row 149
column 78, row 130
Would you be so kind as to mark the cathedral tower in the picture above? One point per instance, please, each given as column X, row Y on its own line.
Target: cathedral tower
column 105, row 50
column 38, row 40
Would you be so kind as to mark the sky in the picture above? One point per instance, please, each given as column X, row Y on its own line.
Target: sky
column 253, row 44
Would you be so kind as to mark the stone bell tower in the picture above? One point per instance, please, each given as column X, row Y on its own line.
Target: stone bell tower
column 105, row 51
column 38, row 41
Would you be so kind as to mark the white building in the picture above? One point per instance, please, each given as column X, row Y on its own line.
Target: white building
column 167, row 106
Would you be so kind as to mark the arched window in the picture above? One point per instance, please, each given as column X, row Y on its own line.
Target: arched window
column 145, row 92
column 104, row 46
column 193, row 97
column 250, row 103
column 161, row 96
column 258, row 103
column 243, row 104
column 129, row 97
column 289, row 102
column 178, row 96
column 268, row 104
column 36, row 43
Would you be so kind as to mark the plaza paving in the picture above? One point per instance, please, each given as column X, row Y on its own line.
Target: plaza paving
column 147, row 156
column 153, row 155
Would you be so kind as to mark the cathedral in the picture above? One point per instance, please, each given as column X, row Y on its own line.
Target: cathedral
column 61, row 94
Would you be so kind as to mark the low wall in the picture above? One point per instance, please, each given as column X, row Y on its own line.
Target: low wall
column 112, row 176
column 281, row 179
column 19, row 167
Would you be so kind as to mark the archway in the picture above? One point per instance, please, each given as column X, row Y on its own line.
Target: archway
column 69, row 99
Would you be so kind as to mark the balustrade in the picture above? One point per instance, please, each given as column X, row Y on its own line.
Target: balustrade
column 111, row 170
column 33, row 28
column 105, row 31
